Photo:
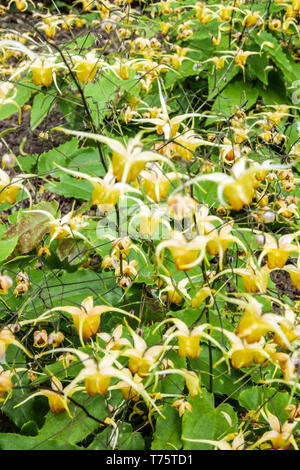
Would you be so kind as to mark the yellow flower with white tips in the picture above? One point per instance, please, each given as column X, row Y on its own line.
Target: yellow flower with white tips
column 185, row 253
column 42, row 70
column 156, row 183
column 188, row 339
column 106, row 191
column 115, row 340
column 127, row 160
column 278, row 251
column 176, row 294
column 7, row 338
column 57, row 397
column 281, row 436
column 86, row 319
column 86, row 67
column 163, row 124
column 142, row 358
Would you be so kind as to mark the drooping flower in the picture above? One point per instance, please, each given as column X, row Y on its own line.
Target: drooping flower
column 278, row 251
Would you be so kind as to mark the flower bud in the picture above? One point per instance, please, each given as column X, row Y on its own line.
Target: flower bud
column 40, row 338
column 260, row 239
column 268, row 217
column 8, row 160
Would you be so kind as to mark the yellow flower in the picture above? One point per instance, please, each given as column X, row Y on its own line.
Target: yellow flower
column 182, row 206
column 278, row 251
column 86, row 67
column 127, row 161
column 188, row 340
column 149, row 222
column 7, row 338
column 115, row 341
column 163, row 124
column 5, row 283
column 192, row 380
column 40, row 338
column 185, row 144
column 43, row 250
column 57, row 397
column 286, row 363
column 203, row 220
column 281, row 436
column 229, row 152
column 185, row 254
column 201, row 295
column 182, row 406
column 252, row 19
column 176, row 294
column 225, row 12
column 64, row 227
column 240, row 193
column 87, row 318
column 42, row 71
column 128, row 392
column 55, row 338
column 239, row 187
column 155, row 183
column 97, row 378
column 141, row 358
column 5, row 89
column 9, row 188
column 218, row 240
column 20, row 5
column 237, row 443
column 5, row 382
column 289, row 330
column 255, row 279
column 294, row 272
column 243, row 354
column 253, row 324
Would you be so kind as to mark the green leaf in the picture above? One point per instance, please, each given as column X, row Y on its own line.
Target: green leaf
column 129, row 439
column 86, row 160
column 23, row 94
column 31, row 227
column 200, row 424
column 29, row 429
column 41, row 107
column 290, row 69
column 63, row 428
column 21, row 390
column 7, row 247
column 74, row 250
column 258, row 65
column 99, row 94
column 237, row 93
column 59, row 155
column 253, row 398
column 275, row 93
column 218, row 79
column 207, row 422
column 226, row 421
column 69, row 186
column 10, row 441
column 167, row 431
column 223, row 382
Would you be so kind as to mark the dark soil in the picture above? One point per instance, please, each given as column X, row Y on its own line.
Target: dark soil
column 34, row 144
column 283, row 284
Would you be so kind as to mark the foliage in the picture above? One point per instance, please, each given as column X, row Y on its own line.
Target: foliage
column 149, row 237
